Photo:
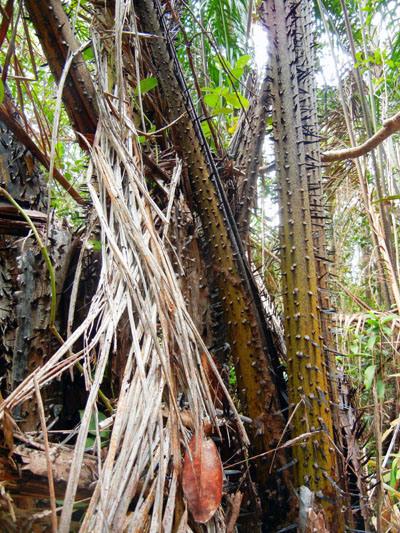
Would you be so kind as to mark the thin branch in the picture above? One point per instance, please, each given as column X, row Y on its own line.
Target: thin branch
column 390, row 126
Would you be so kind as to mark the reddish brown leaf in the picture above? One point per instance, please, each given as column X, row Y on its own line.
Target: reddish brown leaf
column 202, row 478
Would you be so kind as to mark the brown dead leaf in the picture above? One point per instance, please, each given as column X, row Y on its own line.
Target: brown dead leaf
column 202, row 478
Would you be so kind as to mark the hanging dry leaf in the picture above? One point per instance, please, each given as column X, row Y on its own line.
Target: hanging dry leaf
column 202, row 478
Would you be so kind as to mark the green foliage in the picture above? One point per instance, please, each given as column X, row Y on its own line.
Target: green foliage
column 92, row 433
column 216, row 32
column 146, row 85
column 225, row 100
column 370, row 344
column 38, row 93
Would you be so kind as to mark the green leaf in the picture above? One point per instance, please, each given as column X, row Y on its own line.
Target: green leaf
column 206, row 129
column 89, row 443
column 369, row 374
column 371, row 342
column 237, row 72
column 92, row 424
column 208, row 89
column 393, row 474
column 95, row 244
column 242, row 61
column 146, row 85
column 380, row 389
column 222, row 64
column 211, row 100
column 1, row 91
column 237, row 100
column 223, row 110
column 232, row 376
column 88, row 54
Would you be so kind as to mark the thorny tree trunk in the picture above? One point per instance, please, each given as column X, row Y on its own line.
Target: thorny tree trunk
column 307, row 370
column 246, row 152
column 243, row 324
column 302, row 34
column 25, row 295
column 350, row 477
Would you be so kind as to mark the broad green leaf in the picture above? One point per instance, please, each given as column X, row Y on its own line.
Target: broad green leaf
column 242, row 61
column 211, row 99
column 206, row 129
column 369, row 374
column 88, row 54
column 92, row 424
column 222, row 90
column 237, row 72
column 223, row 110
column 146, row 85
column 1, row 91
column 237, row 101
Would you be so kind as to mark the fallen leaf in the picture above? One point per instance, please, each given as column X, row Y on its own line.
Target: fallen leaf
column 202, row 478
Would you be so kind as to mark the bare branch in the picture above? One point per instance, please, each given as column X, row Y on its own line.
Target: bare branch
column 390, row 126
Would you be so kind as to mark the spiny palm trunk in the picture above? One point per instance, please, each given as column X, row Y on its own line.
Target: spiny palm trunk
column 25, row 338
column 246, row 152
column 307, row 370
column 305, row 60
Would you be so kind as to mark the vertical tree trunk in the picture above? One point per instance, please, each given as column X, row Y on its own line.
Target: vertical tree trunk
column 305, row 63
column 307, row 370
column 25, row 296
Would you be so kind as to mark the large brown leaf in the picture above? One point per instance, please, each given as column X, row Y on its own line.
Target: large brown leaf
column 202, row 478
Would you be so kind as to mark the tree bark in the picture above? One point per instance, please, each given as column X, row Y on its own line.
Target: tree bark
column 307, row 372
